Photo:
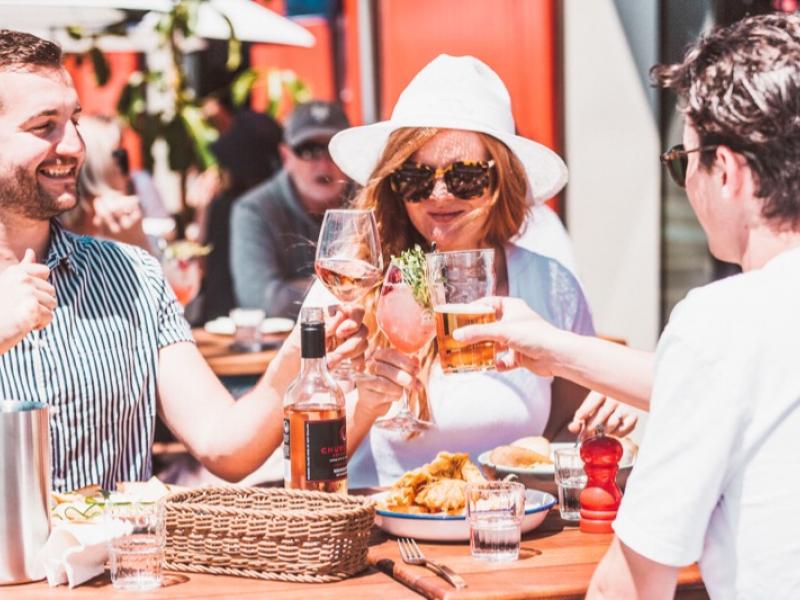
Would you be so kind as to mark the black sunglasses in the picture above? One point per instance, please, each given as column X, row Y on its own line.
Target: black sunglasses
column 676, row 159
column 464, row 179
column 311, row 151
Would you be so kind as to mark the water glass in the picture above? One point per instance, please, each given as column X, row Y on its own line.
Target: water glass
column 248, row 328
column 494, row 512
column 137, row 555
column 456, row 280
column 571, row 479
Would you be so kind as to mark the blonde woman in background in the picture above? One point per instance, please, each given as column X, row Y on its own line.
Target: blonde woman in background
column 107, row 208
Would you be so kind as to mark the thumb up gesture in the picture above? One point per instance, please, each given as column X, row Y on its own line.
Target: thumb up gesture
column 27, row 302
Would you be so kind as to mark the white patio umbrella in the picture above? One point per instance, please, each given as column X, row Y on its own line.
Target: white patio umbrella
column 251, row 22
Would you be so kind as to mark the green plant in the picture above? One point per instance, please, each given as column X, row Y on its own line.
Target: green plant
column 187, row 133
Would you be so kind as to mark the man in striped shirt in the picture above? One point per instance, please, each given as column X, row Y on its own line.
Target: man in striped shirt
column 94, row 331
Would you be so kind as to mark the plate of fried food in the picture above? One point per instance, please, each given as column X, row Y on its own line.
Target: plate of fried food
column 428, row 503
column 530, row 461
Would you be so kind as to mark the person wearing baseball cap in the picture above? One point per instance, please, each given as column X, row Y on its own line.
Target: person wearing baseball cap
column 273, row 226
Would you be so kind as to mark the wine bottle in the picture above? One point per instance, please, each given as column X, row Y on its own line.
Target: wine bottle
column 314, row 423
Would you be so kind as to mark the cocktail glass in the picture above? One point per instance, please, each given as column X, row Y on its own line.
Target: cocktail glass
column 409, row 325
column 184, row 275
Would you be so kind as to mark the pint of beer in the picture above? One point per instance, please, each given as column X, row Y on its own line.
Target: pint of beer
column 455, row 356
column 457, row 281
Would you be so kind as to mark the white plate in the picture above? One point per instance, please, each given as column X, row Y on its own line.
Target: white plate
column 225, row 326
column 276, row 325
column 454, row 528
column 541, row 477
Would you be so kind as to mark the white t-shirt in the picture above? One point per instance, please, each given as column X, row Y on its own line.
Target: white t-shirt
column 718, row 475
column 475, row 412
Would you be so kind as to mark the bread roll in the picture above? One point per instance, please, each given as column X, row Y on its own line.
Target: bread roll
column 537, row 444
column 513, row 456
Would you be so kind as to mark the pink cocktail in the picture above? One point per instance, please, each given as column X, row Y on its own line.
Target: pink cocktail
column 408, row 322
column 408, row 325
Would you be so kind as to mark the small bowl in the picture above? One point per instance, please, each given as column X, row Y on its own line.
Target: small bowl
column 542, row 477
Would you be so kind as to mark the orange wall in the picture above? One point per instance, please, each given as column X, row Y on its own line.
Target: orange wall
column 313, row 65
column 350, row 94
column 517, row 38
column 96, row 100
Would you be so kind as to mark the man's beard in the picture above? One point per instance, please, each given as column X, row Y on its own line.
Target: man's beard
column 20, row 193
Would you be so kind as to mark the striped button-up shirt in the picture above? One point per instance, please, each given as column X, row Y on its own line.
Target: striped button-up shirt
column 95, row 364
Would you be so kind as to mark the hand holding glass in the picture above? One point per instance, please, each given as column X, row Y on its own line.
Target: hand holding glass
column 456, row 280
column 349, row 260
column 408, row 325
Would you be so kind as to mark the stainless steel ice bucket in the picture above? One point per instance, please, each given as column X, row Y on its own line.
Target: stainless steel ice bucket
column 24, row 489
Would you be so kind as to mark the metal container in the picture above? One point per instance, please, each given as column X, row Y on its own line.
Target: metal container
column 24, row 489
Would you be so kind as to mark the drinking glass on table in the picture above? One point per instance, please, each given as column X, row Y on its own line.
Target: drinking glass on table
column 494, row 511
column 571, row 479
column 406, row 319
column 349, row 261
column 248, row 329
column 137, row 556
column 457, row 281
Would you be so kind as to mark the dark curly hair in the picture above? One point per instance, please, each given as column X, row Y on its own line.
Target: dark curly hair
column 22, row 51
column 740, row 88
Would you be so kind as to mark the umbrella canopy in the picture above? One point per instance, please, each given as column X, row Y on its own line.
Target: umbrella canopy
column 250, row 21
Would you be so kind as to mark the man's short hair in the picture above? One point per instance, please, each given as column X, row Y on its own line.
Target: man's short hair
column 740, row 88
column 23, row 51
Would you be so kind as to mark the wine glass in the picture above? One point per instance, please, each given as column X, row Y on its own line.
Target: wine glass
column 406, row 319
column 349, row 261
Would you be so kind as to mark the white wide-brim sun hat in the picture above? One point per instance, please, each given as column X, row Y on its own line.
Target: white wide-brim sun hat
column 452, row 92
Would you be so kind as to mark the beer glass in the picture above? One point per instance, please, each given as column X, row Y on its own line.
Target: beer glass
column 457, row 281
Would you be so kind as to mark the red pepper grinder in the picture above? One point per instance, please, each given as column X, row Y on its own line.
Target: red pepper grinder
column 601, row 497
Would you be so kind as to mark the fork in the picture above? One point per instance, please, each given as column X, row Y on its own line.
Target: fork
column 411, row 554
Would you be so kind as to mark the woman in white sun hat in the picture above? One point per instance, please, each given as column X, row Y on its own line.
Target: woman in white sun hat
column 456, row 115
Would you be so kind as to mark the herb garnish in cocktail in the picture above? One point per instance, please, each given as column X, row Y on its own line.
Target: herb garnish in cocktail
column 406, row 318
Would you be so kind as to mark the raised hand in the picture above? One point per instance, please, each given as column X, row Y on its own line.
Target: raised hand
column 530, row 339
column 27, row 302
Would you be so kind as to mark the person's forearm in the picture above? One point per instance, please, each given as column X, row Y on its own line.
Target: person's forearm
column 359, row 422
column 618, row 371
column 240, row 435
column 242, row 438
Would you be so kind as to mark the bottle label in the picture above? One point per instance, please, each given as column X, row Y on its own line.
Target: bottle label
column 326, row 450
column 287, row 460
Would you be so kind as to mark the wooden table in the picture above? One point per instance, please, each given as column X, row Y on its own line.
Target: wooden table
column 226, row 363
column 555, row 562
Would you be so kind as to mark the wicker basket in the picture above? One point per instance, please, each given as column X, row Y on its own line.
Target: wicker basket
column 275, row 534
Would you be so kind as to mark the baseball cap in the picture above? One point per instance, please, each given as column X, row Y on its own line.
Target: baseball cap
column 313, row 120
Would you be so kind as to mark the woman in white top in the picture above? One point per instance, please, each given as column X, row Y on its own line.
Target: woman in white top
column 455, row 119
